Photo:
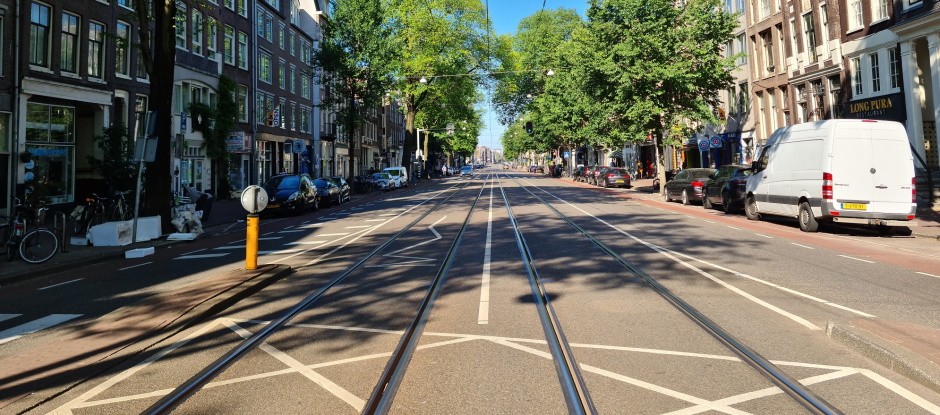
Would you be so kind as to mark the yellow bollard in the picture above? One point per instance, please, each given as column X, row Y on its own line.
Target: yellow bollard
column 251, row 243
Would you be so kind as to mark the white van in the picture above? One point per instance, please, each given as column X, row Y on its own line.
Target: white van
column 398, row 172
column 849, row 171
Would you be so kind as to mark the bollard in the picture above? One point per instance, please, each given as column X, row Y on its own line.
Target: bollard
column 251, row 243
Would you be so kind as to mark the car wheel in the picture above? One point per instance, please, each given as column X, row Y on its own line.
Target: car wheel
column 808, row 222
column 316, row 203
column 726, row 204
column 707, row 204
column 666, row 196
column 685, row 197
column 606, row 183
column 750, row 208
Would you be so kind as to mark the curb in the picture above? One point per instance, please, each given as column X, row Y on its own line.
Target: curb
column 909, row 365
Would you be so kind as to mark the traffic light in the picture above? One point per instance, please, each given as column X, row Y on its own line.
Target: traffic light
column 528, row 127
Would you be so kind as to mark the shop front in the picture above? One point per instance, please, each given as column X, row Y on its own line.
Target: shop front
column 48, row 161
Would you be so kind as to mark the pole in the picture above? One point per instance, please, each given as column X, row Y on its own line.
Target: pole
column 140, row 169
column 251, row 242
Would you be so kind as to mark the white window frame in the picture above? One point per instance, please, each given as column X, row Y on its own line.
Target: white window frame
column 242, row 8
column 197, row 32
column 228, row 45
column 874, row 66
column 242, row 97
column 265, row 67
column 212, row 41
column 879, row 11
column 123, row 71
column 809, row 37
column 858, row 83
column 242, row 48
column 182, row 32
column 894, row 68
column 104, row 51
column 47, row 48
column 77, row 45
column 230, row 4
column 855, row 16
column 824, row 27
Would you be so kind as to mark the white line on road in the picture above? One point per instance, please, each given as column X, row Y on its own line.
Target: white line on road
column 732, row 227
column 14, row 333
column 437, row 236
column 267, row 238
column 708, row 221
column 193, row 252
column 201, row 256
column 294, row 231
column 334, row 234
column 312, row 225
column 307, row 243
column 801, row 246
column 483, row 317
column 229, row 247
column 929, row 275
column 375, row 220
column 135, row 266
column 387, row 214
column 279, row 252
column 359, row 227
column 4, row 317
column 63, row 283
column 762, row 235
column 857, row 259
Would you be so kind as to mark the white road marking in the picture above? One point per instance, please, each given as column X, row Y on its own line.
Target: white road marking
column 387, row 214
column 334, row 234
column 708, row 221
column 267, row 233
column 762, row 235
column 14, row 333
column 732, row 227
column 280, row 252
column 857, row 259
column 483, row 316
column 801, row 246
column 135, row 266
column 437, row 236
column 294, row 231
column 307, row 243
column 229, row 247
column 4, row 317
column 357, row 208
column 359, row 227
column 312, row 225
column 269, row 238
column 901, row 391
column 201, row 256
column 193, row 252
column 929, row 275
column 67, row 282
column 375, row 220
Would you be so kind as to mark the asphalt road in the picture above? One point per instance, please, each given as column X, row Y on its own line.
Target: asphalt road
column 483, row 349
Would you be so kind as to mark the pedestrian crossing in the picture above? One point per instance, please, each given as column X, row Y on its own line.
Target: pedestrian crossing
column 15, row 332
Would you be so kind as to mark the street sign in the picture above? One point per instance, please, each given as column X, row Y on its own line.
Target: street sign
column 254, row 199
column 299, row 146
column 715, row 141
column 702, row 145
column 183, row 123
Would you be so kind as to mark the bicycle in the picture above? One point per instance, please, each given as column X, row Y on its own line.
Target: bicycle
column 33, row 246
column 94, row 212
column 119, row 208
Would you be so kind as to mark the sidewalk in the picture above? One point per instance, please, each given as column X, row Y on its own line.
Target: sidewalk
column 226, row 216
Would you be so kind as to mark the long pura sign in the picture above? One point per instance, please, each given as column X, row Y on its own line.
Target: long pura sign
column 885, row 107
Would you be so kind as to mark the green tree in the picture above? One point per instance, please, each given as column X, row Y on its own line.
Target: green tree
column 216, row 127
column 446, row 48
column 115, row 165
column 357, row 59
column 658, row 66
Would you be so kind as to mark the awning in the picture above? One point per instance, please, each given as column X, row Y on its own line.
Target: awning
column 616, row 154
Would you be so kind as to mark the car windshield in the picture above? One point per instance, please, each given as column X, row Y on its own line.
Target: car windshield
column 282, row 183
column 392, row 172
column 617, row 171
column 380, row 176
column 320, row 183
column 466, row 168
column 700, row 174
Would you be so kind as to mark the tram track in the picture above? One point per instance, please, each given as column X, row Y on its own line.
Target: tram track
column 787, row 383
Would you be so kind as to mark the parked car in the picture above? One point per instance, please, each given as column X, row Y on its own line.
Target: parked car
column 848, row 171
column 466, row 171
column 592, row 174
column 383, row 181
column 536, row 169
column 328, row 191
column 400, row 174
column 726, row 188
column 291, row 193
column 615, row 177
column 578, row 174
column 345, row 192
column 687, row 185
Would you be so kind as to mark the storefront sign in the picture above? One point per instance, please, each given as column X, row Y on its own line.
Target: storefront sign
column 238, row 143
column 885, row 107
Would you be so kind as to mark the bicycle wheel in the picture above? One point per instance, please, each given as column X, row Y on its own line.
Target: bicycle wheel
column 38, row 246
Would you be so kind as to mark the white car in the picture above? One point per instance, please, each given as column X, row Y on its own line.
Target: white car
column 399, row 174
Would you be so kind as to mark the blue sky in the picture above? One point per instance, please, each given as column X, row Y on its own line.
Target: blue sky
column 505, row 15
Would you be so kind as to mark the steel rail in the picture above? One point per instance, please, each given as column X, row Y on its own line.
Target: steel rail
column 569, row 374
column 380, row 401
column 170, row 401
column 788, row 384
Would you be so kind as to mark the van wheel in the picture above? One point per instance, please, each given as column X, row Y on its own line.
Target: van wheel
column 707, row 204
column 666, row 196
column 808, row 222
column 685, row 197
column 750, row 208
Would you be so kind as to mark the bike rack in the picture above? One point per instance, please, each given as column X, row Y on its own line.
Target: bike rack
column 62, row 230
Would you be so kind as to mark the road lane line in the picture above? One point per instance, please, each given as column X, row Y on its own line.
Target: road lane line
column 762, row 235
column 4, row 317
column 307, row 243
column 334, row 234
column 359, row 227
column 857, row 259
column 67, row 282
column 280, row 252
column 135, row 266
column 14, row 333
column 201, row 256
column 267, row 238
column 732, row 227
column 193, row 252
column 375, row 220
column 293, row 231
column 483, row 316
column 801, row 246
column 929, row 275
column 229, row 247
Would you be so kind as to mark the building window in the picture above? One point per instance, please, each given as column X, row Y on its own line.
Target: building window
column 744, row 99
column 242, row 50
column 855, row 15
column 291, row 44
column 295, row 12
column 212, row 42
column 835, row 100
column 269, row 28
column 122, row 50
column 281, row 74
column 857, row 76
column 894, row 67
column 181, row 31
column 141, row 68
column 281, row 37
column 879, row 9
column 197, row 32
column 68, row 55
column 741, row 50
column 768, row 51
column 127, row 4
column 50, row 138
column 140, row 118
column 242, row 103
column 276, row 4
column 304, row 85
column 793, row 44
column 292, row 81
column 818, row 94
column 875, row 72
column 243, row 8
column 96, row 58
column 39, row 35
column 824, row 25
column 772, row 98
column 809, row 37
column 228, row 44
column 764, row 9
column 230, row 4
column 264, row 66
column 259, row 23
column 293, row 116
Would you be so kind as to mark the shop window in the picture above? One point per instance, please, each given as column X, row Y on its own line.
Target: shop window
column 50, row 138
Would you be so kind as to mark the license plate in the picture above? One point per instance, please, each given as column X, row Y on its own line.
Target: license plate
column 618, row 181
column 273, row 206
column 854, row 206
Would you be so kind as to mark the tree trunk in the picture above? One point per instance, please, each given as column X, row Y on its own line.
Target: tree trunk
column 409, row 146
column 161, row 101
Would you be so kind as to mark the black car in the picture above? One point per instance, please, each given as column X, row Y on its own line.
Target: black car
column 727, row 188
column 291, row 193
column 687, row 185
column 344, row 190
column 615, row 177
column 328, row 191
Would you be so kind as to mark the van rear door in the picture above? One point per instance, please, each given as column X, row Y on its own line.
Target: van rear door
column 893, row 169
column 852, row 161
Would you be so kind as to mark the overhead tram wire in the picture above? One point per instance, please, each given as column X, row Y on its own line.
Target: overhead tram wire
column 192, row 385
